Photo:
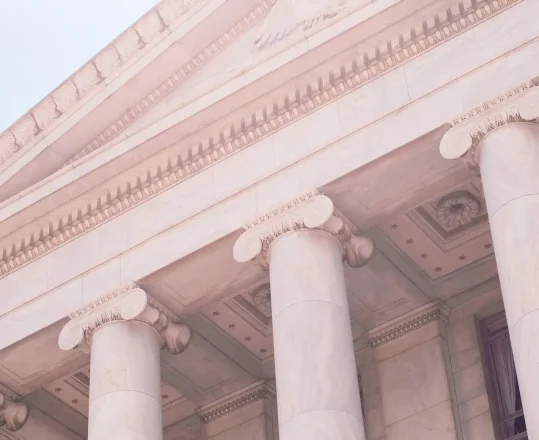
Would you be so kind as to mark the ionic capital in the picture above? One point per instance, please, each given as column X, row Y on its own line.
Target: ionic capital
column 310, row 211
column 520, row 104
column 13, row 414
column 130, row 303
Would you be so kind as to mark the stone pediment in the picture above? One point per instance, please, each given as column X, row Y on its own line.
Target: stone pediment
column 124, row 83
column 176, row 53
column 230, row 97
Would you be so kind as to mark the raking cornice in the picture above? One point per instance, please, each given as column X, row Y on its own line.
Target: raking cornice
column 166, row 87
column 210, row 150
column 149, row 29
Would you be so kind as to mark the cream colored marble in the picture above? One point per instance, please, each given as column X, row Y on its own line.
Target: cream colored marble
column 125, row 380
column 509, row 160
column 315, row 367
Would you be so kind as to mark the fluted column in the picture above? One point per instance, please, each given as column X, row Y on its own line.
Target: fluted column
column 125, row 331
column 304, row 244
column 501, row 139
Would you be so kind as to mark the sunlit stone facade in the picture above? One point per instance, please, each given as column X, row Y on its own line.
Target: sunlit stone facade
column 279, row 219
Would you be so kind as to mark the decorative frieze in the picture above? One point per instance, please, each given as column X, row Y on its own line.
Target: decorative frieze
column 227, row 405
column 287, row 16
column 130, row 303
column 404, row 325
column 310, row 211
column 264, row 122
column 13, row 414
column 520, row 104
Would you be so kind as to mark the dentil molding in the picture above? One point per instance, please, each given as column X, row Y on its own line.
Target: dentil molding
column 310, row 211
column 13, row 414
column 152, row 27
column 130, row 303
column 236, row 401
column 206, row 152
column 413, row 321
column 520, row 104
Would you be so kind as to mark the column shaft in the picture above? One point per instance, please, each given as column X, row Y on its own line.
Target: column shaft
column 509, row 161
column 125, row 381
column 317, row 386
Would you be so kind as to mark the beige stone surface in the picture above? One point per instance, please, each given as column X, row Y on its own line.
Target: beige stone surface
column 146, row 164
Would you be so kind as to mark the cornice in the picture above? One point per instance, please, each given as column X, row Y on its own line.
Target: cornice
column 262, row 123
column 129, row 303
column 404, row 325
column 149, row 29
column 171, row 83
column 259, row 391
column 519, row 104
column 312, row 211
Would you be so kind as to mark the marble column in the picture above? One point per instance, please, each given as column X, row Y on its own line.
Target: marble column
column 501, row 139
column 126, row 331
column 303, row 244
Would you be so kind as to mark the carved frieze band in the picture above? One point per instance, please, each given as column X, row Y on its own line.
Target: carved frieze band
column 130, row 303
column 13, row 414
column 254, row 393
column 288, row 16
column 520, row 104
column 263, row 123
column 310, row 211
column 418, row 319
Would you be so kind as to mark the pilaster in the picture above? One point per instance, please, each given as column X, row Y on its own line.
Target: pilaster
column 248, row 413
column 416, row 382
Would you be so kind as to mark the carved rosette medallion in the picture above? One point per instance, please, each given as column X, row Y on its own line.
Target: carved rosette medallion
column 129, row 303
column 310, row 211
column 457, row 209
column 13, row 414
column 520, row 104
column 262, row 299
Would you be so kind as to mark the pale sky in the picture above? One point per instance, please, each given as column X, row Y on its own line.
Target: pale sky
column 42, row 42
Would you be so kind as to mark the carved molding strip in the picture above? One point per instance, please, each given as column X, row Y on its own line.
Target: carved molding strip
column 148, row 29
column 287, row 16
column 423, row 317
column 260, row 391
column 310, row 211
column 170, row 84
column 262, row 124
column 129, row 303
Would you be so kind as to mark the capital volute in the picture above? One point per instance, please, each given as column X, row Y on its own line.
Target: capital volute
column 520, row 104
column 130, row 303
column 312, row 211
column 13, row 414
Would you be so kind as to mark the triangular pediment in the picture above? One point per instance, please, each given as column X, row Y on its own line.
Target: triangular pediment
column 153, row 67
column 175, row 54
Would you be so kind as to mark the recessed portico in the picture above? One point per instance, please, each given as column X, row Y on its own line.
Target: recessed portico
column 247, row 231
